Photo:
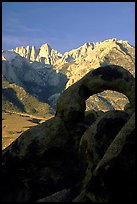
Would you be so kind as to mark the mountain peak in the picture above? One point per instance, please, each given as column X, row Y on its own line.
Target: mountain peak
column 45, row 45
column 44, row 54
column 45, row 48
column 48, row 55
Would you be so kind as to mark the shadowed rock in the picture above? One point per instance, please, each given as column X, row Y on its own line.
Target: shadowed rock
column 113, row 177
column 99, row 136
column 71, row 104
column 46, row 159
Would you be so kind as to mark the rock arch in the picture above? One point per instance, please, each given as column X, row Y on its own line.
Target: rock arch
column 45, row 159
column 71, row 104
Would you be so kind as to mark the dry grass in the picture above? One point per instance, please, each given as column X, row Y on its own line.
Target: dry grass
column 13, row 124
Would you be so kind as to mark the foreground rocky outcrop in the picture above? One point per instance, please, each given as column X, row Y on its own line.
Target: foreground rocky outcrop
column 77, row 156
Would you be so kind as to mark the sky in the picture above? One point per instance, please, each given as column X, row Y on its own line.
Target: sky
column 66, row 25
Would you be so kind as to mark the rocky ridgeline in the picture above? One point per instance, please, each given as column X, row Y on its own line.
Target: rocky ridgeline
column 44, row 54
column 91, row 53
column 77, row 62
column 46, row 69
column 77, row 156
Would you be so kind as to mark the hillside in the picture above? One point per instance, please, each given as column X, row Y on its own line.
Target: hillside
column 16, row 99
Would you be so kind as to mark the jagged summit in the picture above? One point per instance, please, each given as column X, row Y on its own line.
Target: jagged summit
column 47, row 55
column 92, row 48
column 46, row 45
column 44, row 54
column 77, row 62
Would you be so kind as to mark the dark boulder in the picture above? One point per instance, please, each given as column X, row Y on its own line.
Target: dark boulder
column 76, row 155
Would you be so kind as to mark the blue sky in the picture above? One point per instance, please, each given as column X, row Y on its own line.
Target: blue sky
column 66, row 25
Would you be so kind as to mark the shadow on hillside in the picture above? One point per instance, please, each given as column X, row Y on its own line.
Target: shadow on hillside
column 42, row 93
column 10, row 95
column 124, row 49
column 38, row 80
column 34, row 120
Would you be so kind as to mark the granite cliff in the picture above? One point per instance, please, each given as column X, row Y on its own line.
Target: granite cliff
column 44, row 54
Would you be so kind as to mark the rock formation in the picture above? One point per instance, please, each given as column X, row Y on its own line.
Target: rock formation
column 44, row 54
column 77, row 156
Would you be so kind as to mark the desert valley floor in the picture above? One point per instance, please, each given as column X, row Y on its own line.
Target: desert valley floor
column 13, row 124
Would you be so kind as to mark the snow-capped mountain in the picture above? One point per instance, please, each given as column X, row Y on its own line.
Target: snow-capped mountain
column 45, row 73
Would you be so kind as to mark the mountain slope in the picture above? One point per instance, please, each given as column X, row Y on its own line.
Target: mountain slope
column 16, row 99
column 38, row 79
column 44, row 73
column 92, row 55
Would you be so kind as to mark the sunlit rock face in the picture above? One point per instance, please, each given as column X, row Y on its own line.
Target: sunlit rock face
column 44, row 54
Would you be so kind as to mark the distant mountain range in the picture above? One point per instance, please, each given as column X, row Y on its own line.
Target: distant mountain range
column 42, row 74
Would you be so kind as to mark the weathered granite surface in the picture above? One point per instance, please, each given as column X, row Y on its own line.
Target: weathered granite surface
column 77, row 156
